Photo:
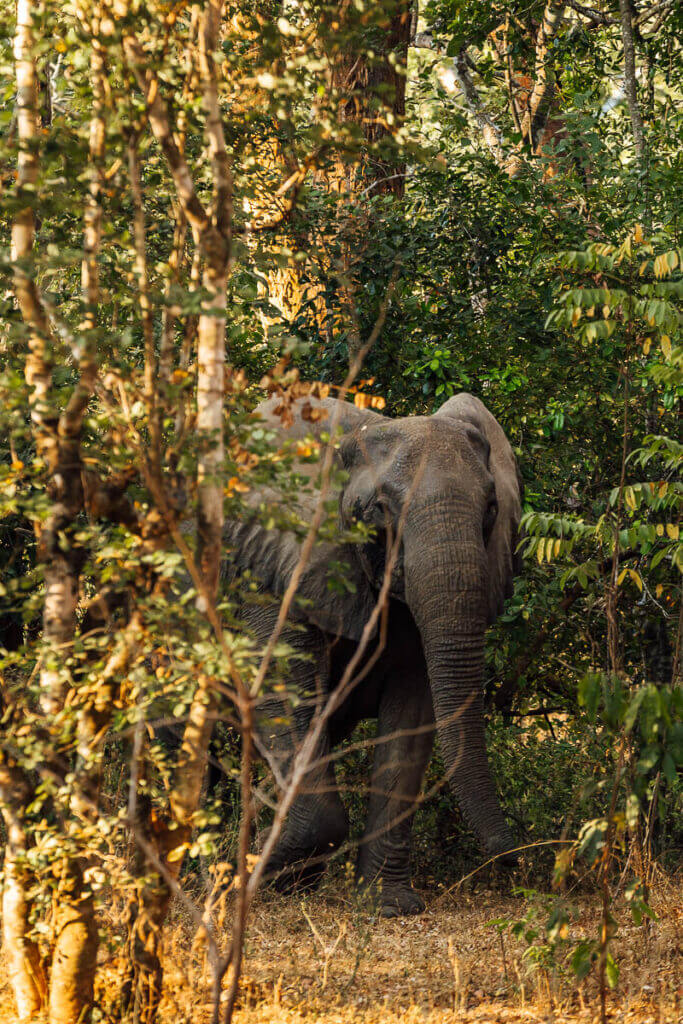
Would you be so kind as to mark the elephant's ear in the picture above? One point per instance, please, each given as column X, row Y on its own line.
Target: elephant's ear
column 503, row 560
column 333, row 592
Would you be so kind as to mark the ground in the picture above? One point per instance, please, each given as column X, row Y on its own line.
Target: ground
column 324, row 959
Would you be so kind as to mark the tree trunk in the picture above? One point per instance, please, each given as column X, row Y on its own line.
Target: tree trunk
column 372, row 98
column 630, row 83
column 57, row 438
column 24, row 963
column 75, row 952
column 162, row 841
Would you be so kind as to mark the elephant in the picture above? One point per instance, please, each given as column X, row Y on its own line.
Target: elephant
column 447, row 485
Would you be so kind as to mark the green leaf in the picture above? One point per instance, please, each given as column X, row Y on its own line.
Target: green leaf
column 611, row 971
column 582, row 960
column 669, row 768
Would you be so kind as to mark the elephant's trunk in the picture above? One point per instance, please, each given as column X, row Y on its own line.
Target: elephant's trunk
column 446, row 579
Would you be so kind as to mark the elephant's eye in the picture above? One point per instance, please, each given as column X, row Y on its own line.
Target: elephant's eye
column 490, row 518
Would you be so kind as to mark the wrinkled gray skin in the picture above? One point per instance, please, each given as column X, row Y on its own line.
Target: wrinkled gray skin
column 452, row 482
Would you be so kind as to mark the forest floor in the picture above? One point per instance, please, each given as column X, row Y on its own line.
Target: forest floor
column 325, row 959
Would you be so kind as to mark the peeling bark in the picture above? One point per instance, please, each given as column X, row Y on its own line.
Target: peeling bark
column 543, row 91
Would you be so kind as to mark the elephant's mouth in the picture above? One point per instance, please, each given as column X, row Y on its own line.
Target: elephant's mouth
column 374, row 561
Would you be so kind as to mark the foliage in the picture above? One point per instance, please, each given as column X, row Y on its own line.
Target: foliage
column 540, row 269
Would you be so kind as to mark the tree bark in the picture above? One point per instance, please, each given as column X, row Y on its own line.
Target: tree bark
column 361, row 83
column 163, row 841
column 489, row 130
column 24, row 962
column 57, row 437
column 630, row 83
column 372, row 102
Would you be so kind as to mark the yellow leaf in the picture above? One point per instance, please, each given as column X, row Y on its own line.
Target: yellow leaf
column 659, row 590
column 672, row 531
column 629, row 498
column 643, row 267
column 663, row 488
column 638, row 234
column 17, row 465
column 178, row 853
column 636, row 579
column 539, row 552
column 620, row 577
column 557, row 547
column 666, row 346
column 605, row 311
column 646, row 345
column 576, row 315
column 659, row 529
column 591, row 311
column 235, row 484
column 60, row 46
column 377, row 402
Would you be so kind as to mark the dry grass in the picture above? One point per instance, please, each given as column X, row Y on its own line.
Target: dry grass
column 325, row 959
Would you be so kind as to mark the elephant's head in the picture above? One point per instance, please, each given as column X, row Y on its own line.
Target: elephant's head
column 448, row 485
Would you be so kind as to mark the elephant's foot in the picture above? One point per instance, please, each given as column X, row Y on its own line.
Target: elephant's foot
column 296, row 877
column 393, row 899
column 400, row 902
column 309, row 839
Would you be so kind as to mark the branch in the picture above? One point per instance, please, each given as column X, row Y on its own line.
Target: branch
column 72, row 417
column 222, row 173
column 595, row 17
column 541, row 96
column 146, row 315
column 505, row 693
column 489, row 129
column 159, row 121
column 38, row 368
column 662, row 9
column 509, row 76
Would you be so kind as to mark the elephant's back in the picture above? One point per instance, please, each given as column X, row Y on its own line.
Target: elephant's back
column 310, row 415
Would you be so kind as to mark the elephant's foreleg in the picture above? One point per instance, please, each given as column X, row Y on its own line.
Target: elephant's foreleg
column 405, row 738
column 317, row 822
